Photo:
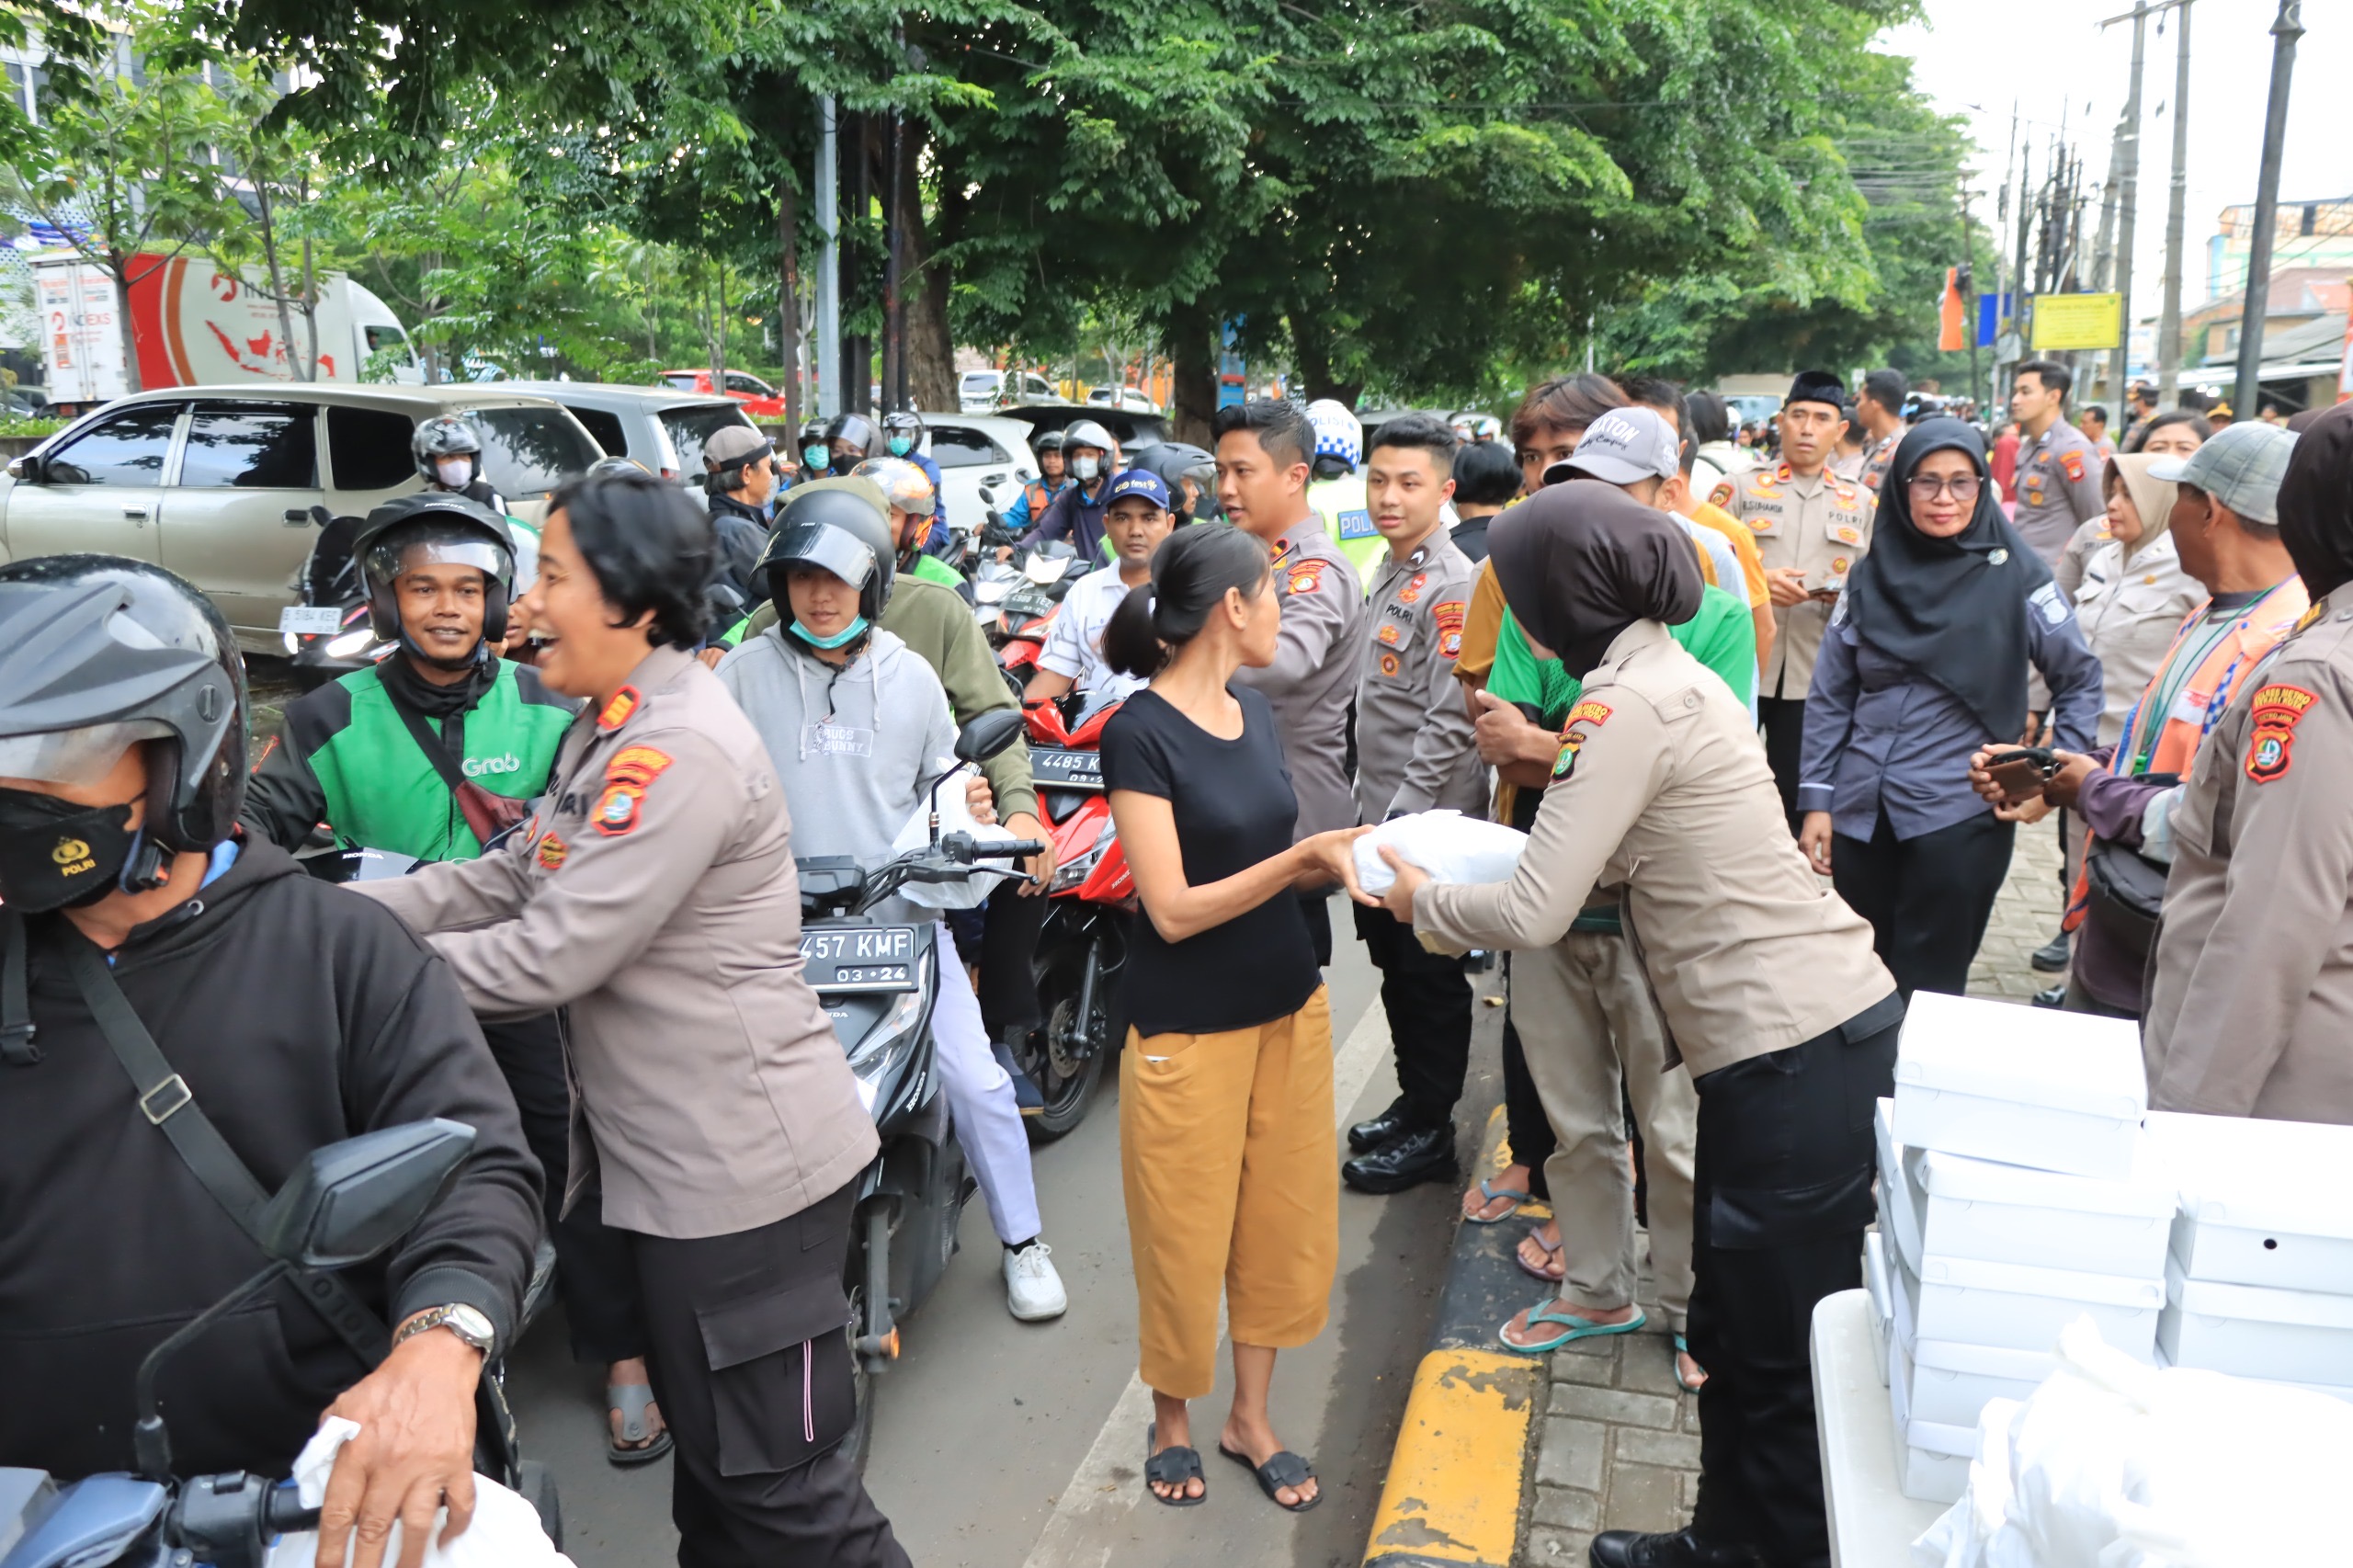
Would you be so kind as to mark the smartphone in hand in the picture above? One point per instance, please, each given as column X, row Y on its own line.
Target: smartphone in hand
column 2021, row 770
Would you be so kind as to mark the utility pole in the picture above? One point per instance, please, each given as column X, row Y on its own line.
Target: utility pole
column 1967, row 288
column 2285, row 30
column 2127, row 148
column 829, row 271
column 2169, row 319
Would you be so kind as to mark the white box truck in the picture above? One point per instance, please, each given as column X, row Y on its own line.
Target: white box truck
column 194, row 324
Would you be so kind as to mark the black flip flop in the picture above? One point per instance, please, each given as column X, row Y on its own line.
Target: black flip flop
column 1172, row 1467
column 1282, row 1468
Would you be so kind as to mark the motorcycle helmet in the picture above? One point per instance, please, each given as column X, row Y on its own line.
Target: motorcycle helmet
column 1469, row 425
column 905, row 486
column 96, row 653
column 1050, row 441
column 839, row 525
column 1339, row 439
column 857, row 431
column 903, row 425
column 447, row 436
column 613, row 465
column 1087, row 433
column 453, row 530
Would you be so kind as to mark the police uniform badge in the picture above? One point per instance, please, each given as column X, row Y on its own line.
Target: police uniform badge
column 2073, row 462
column 552, row 852
column 625, row 777
column 616, row 714
column 1448, row 617
column 1390, row 666
column 1584, row 719
column 1412, row 592
column 1722, row 495
column 2271, row 744
column 1305, row 574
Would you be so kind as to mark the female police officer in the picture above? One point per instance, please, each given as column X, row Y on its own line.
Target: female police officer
column 1768, row 985
column 652, row 891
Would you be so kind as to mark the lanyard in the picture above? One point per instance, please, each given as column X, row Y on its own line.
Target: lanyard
column 2149, row 722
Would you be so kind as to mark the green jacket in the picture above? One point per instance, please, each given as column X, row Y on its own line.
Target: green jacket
column 348, row 759
column 1722, row 636
column 937, row 624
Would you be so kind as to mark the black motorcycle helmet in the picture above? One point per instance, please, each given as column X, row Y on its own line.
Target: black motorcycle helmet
column 455, row 529
column 98, row 652
column 446, row 436
column 856, row 431
column 840, row 525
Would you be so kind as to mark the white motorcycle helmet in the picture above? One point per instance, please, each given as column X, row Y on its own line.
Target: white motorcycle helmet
column 1339, row 439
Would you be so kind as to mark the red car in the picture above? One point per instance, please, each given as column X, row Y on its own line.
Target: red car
column 760, row 400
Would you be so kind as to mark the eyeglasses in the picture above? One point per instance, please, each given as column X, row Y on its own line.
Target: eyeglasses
column 1964, row 489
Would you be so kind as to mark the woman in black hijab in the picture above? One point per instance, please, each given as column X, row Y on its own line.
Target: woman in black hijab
column 1661, row 802
column 1926, row 663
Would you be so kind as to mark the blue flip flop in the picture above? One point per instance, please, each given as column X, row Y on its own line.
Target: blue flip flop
column 1576, row 1328
column 1682, row 1349
column 1488, row 1190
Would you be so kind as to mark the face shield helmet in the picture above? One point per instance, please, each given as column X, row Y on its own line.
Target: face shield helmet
column 902, row 433
column 412, row 531
column 839, row 530
column 1087, row 449
column 447, row 452
column 851, row 439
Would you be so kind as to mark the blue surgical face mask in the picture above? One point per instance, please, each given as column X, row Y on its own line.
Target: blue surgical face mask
column 845, row 635
column 815, row 456
column 900, row 446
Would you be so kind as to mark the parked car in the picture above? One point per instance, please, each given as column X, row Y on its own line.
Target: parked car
column 983, row 461
column 217, row 483
column 760, row 400
column 1128, row 398
column 1131, row 428
column 663, row 429
column 983, row 391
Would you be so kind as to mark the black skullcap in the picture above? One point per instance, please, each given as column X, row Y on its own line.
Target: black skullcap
column 1817, row 386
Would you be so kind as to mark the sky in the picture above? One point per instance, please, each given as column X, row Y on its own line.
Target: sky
column 2051, row 62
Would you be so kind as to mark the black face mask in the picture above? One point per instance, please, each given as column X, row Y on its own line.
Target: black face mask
column 57, row 855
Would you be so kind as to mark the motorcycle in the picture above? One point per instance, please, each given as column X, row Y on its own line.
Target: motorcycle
column 877, row 982
column 327, row 632
column 346, row 1203
column 1083, row 948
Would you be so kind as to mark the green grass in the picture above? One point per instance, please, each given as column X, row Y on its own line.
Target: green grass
column 10, row 425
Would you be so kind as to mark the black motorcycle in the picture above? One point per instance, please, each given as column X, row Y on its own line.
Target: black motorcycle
column 327, row 631
column 879, row 982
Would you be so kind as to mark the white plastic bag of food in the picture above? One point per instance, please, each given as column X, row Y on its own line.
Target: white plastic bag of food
column 506, row 1531
column 1448, row 846
column 955, row 816
column 2114, row 1464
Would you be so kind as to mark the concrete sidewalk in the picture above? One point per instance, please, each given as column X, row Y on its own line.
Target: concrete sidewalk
column 1617, row 1445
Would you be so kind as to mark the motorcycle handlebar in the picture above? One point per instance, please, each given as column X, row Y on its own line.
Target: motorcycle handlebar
column 283, row 1514
column 1019, row 849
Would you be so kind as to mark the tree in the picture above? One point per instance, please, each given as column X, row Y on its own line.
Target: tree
column 277, row 167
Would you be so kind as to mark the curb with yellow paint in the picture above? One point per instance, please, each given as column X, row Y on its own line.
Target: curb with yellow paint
column 1454, row 1490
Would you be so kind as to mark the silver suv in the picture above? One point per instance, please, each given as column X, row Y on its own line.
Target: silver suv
column 217, row 483
column 662, row 430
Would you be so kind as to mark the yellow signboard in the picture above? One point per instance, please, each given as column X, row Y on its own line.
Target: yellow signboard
column 2077, row 320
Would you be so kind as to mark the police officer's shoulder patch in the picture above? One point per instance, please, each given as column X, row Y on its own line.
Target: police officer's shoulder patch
column 616, row 714
column 2073, row 462
column 1722, row 495
column 2276, row 710
column 617, row 809
column 637, row 765
column 1305, row 574
column 1448, row 615
column 552, row 852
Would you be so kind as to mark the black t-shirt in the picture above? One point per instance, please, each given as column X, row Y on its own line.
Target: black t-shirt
column 1233, row 806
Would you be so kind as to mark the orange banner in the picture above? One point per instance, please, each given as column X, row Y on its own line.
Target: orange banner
column 1952, row 339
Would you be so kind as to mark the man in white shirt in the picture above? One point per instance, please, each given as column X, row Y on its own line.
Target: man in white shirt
column 1135, row 520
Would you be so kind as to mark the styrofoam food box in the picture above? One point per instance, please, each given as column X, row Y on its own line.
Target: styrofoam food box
column 1883, row 1305
column 2031, row 1087
column 2003, row 1213
column 1952, row 1383
column 1931, row 1458
column 2262, row 1202
column 2255, row 1331
column 1898, row 1201
column 2016, row 1306
column 2164, row 1362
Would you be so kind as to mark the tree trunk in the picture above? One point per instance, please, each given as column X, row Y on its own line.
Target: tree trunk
column 923, row 288
column 310, row 312
column 130, row 382
column 787, row 297
column 1193, row 400
column 278, row 281
column 719, row 330
column 1315, row 367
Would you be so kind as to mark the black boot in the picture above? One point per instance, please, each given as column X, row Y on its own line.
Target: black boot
column 1416, row 1155
column 1368, row 1135
column 2052, row 956
column 1632, row 1548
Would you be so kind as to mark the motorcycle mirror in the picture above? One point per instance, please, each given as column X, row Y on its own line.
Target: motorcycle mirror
column 348, row 1201
column 988, row 735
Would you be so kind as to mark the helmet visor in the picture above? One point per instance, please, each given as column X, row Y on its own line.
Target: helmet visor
column 388, row 560
column 825, row 545
column 81, row 755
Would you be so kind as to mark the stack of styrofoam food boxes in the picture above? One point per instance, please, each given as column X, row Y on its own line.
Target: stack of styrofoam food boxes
column 2017, row 1194
column 2259, row 1281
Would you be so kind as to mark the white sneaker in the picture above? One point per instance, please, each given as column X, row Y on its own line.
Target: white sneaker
column 1033, row 1291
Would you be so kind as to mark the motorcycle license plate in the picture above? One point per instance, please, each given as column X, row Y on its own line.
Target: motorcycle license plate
column 311, row 620
column 1066, row 769
column 860, row 957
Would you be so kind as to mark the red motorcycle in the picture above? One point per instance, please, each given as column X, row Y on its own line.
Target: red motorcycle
column 1083, row 946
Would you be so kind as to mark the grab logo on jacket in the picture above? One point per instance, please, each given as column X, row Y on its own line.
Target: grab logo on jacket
column 476, row 766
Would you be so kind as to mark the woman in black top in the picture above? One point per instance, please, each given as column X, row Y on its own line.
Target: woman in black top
column 1228, row 1151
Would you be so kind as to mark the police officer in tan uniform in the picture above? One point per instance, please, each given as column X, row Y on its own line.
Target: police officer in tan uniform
column 2058, row 478
column 1770, row 993
column 1263, row 452
column 2253, row 974
column 1415, row 752
column 651, row 891
column 1810, row 527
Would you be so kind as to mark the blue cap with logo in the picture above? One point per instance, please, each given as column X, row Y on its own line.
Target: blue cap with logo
column 1138, row 481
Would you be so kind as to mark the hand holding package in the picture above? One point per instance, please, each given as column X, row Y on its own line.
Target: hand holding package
column 506, row 1531
column 955, row 816
column 1450, row 847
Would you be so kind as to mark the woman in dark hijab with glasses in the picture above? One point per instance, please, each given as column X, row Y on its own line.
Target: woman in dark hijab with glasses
column 1768, row 986
column 1924, row 662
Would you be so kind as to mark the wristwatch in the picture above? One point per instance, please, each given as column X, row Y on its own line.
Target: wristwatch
column 469, row 1323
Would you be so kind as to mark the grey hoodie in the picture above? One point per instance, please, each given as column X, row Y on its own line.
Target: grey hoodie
column 855, row 747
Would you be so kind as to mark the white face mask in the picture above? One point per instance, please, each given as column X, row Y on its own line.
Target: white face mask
column 456, row 473
column 1084, row 469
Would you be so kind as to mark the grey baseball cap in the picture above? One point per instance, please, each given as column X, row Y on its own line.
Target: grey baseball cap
column 2241, row 466
column 1627, row 445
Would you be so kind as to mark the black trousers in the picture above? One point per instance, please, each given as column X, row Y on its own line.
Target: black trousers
column 1427, row 998
column 593, row 1266
column 1318, row 910
column 751, row 1365
column 1928, row 898
column 1784, row 722
column 1781, row 1197
column 1525, row 1124
column 1008, row 987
